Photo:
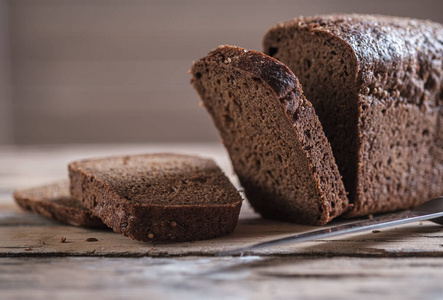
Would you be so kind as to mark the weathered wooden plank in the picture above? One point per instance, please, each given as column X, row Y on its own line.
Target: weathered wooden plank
column 24, row 234
column 5, row 77
column 221, row 278
column 101, row 54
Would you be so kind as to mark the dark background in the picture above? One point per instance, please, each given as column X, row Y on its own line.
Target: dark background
column 108, row 71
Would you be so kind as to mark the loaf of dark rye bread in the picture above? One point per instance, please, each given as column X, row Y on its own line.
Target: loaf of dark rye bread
column 55, row 202
column 376, row 84
column 156, row 197
column 273, row 136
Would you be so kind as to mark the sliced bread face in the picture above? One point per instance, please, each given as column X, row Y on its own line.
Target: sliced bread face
column 376, row 84
column 157, row 197
column 272, row 134
column 55, row 202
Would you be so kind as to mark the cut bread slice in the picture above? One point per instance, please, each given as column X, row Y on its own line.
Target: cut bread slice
column 273, row 136
column 156, row 197
column 54, row 201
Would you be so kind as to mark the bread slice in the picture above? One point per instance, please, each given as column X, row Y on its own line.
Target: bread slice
column 273, row 136
column 54, row 201
column 376, row 84
column 156, row 197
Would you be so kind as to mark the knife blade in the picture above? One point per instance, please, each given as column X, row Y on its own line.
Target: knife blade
column 430, row 210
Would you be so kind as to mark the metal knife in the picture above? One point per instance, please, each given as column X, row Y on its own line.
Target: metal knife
column 431, row 210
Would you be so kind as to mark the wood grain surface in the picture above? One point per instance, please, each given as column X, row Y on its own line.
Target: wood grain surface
column 24, row 234
column 221, row 278
column 403, row 262
column 116, row 71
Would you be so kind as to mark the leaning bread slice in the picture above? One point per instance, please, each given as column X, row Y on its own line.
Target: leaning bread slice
column 54, row 201
column 273, row 136
column 156, row 197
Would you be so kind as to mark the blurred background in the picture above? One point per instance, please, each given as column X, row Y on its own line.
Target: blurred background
column 109, row 71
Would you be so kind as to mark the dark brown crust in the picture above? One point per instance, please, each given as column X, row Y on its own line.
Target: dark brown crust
column 274, row 73
column 53, row 201
column 300, row 117
column 398, row 78
column 383, row 45
column 144, row 221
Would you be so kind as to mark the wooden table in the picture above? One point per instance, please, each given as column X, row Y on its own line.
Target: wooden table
column 404, row 262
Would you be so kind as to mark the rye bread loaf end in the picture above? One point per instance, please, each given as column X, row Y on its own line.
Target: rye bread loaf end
column 156, row 197
column 376, row 83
